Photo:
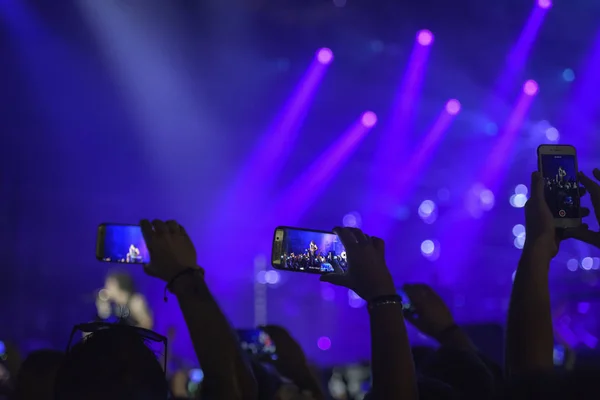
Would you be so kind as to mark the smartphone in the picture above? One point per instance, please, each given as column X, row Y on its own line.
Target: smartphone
column 306, row 250
column 558, row 165
column 121, row 244
column 257, row 343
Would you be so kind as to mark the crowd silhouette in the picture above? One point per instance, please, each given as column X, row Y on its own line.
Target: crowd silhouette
column 115, row 360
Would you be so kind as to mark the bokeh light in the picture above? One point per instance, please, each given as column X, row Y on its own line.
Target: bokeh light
column 352, row 220
column 324, row 343
column 261, row 277
column 453, row 107
column 521, row 189
column 552, row 134
column 568, row 75
column 530, row 87
column 272, row 277
column 518, row 200
column 430, row 249
column 491, row 128
column 518, row 230
column 572, row 265
column 425, row 37
column 325, row 56
column 369, row 119
column 587, row 263
column 596, row 264
column 519, row 241
column 428, row 211
column 487, row 199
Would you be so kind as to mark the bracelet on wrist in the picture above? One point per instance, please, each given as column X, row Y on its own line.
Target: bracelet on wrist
column 380, row 301
column 169, row 285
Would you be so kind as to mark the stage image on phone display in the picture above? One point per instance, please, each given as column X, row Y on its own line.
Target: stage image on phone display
column 561, row 187
column 257, row 343
column 121, row 244
column 307, row 251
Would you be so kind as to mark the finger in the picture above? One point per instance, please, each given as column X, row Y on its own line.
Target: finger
column 593, row 189
column 173, row 227
column 359, row 235
column 159, row 227
column 335, row 279
column 336, row 267
column 583, row 234
column 537, row 186
column 582, row 191
column 346, row 236
column 584, row 212
column 596, row 173
column 147, row 232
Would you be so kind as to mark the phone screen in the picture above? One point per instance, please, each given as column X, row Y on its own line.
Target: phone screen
column 307, row 251
column 257, row 343
column 122, row 244
column 561, row 188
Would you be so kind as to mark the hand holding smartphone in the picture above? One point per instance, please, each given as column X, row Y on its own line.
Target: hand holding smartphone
column 121, row 243
column 304, row 250
column 558, row 166
column 257, row 343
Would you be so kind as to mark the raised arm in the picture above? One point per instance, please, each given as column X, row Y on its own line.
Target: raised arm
column 368, row 276
column 529, row 333
column 173, row 259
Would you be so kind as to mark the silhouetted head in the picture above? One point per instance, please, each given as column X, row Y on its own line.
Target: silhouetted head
column 112, row 363
column 36, row 376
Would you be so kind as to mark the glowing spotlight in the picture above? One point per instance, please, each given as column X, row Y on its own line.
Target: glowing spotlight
column 352, row 220
column 427, row 247
column 369, row 119
column 325, row 56
column 453, row 107
column 552, row 134
column 530, row 88
column 596, row 264
column 568, row 75
column 587, row 263
column 521, row 189
column 518, row 230
column 272, row 277
column 518, row 200
column 544, row 4
column 572, row 265
column 324, row 343
column 425, row 37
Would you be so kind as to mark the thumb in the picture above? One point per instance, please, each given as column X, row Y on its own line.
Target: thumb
column 537, row 186
column 335, row 279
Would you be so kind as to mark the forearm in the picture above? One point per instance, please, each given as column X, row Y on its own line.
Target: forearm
column 214, row 342
column 529, row 332
column 457, row 339
column 391, row 359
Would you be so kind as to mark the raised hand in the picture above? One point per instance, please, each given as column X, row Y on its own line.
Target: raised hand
column 431, row 314
column 171, row 250
column 367, row 274
column 583, row 233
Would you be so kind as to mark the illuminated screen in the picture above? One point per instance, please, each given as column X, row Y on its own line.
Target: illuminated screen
column 257, row 342
column 311, row 251
column 124, row 244
column 560, row 185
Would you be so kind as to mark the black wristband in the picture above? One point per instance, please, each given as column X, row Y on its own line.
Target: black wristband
column 443, row 335
column 384, row 300
column 177, row 276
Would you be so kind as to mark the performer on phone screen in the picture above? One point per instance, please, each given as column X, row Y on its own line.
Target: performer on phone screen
column 119, row 302
column 313, row 248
